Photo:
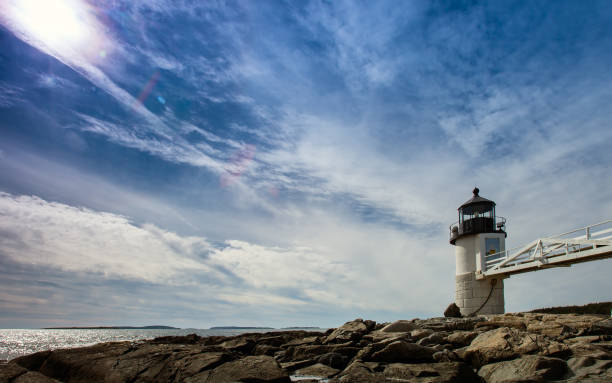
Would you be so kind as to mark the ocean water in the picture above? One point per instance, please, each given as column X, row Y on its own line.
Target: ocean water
column 18, row 342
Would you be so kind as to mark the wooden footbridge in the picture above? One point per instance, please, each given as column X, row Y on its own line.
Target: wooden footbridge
column 585, row 244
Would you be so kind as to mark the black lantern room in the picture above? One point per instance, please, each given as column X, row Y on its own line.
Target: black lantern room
column 477, row 215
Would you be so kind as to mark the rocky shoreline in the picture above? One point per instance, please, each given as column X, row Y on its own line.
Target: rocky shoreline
column 521, row 347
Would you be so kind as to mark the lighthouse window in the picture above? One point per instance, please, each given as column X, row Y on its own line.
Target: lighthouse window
column 492, row 247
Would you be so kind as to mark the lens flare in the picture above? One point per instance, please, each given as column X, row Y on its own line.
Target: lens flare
column 239, row 162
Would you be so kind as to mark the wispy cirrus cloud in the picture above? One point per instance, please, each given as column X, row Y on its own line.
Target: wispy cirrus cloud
column 10, row 95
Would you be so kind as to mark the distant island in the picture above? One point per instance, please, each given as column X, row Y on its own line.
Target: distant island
column 113, row 328
column 240, row 328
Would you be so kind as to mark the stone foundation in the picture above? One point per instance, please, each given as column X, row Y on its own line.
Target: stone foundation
column 470, row 293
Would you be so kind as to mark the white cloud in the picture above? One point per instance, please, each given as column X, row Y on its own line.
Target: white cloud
column 74, row 239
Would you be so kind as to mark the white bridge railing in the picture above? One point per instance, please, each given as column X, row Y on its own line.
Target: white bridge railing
column 585, row 243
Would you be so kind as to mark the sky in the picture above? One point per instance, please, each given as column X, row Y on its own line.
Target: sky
column 290, row 163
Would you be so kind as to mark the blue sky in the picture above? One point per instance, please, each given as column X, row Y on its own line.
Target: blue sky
column 290, row 163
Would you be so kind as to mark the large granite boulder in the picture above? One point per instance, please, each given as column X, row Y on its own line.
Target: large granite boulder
column 528, row 368
column 399, row 326
column 507, row 343
column 402, row 352
column 588, row 367
column 431, row 373
column 248, row 369
column 85, row 364
column 437, row 338
column 461, row 338
column 317, row 370
column 12, row 372
column 314, row 351
column 360, row 372
column 449, row 324
column 334, row 360
column 350, row 331
column 603, row 327
column 367, row 372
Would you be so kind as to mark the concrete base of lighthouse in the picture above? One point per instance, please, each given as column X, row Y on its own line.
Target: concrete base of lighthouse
column 471, row 294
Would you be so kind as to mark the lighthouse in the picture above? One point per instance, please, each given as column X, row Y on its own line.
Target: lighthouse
column 478, row 236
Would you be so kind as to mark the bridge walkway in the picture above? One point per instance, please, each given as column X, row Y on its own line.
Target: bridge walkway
column 585, row 244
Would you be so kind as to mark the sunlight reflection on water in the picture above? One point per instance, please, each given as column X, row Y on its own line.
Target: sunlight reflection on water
column 18, row 342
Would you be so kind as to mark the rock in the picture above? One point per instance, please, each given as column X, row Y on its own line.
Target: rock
column 506, row 343
column 314, row 351
column 379, row 336
column 449, row 324
column 586, row 366
column 243, row 345
column 531, row 368
column 490, row 346
column 548, row 329
column 185, row 339
column 317, row 370
column 461, row 338
column 370, row 325
column 506, row 320
column 78, row 364
column 446, row 356
column 360, row 372
column 161, row 363
column 334, row 360
column 430, row 373
column 301, row 341
column 589, row 349
column 399, row 326
column 32, row 361
column 350, row 331
column 420, row 333
column 10, row 371
column 248, row 369
column 33, row 377
column 403, row 352
column 452, row 311
column 603, row 327
column 292, row 366
column 273, row 340
column 264, row 349
column 582, row 339
column 433, row 339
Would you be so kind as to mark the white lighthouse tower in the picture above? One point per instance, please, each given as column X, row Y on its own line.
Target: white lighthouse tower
column 477, row 233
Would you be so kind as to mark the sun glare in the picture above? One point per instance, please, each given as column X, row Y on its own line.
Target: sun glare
column 59, row 24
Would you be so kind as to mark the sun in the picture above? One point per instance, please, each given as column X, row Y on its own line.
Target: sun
column 59, row 24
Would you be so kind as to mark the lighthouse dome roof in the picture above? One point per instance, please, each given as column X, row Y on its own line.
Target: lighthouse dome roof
column 476, row 200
